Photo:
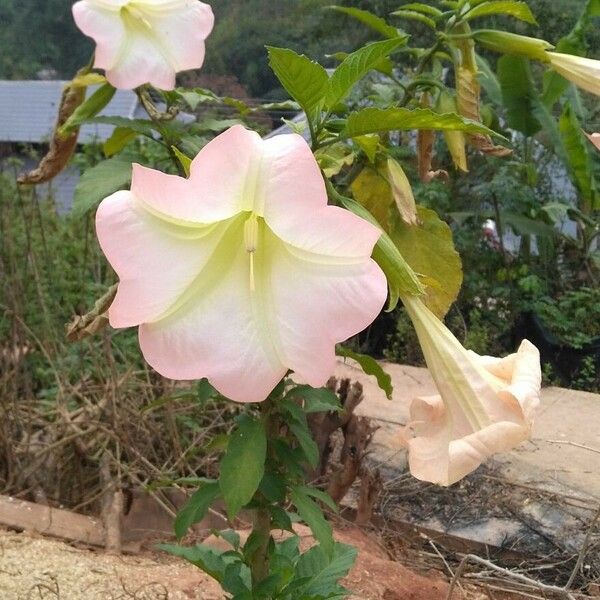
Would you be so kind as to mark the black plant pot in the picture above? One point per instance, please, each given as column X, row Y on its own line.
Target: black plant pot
column 566, row 360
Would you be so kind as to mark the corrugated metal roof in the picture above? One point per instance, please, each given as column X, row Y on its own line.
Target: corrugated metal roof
column 28, row 111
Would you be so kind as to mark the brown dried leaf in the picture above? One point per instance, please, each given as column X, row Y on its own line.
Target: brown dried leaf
column 96, row 320
column 61, row 147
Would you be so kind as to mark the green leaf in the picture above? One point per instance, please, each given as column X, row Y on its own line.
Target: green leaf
column 579, row 158
column 205, row 391
column 140, row 126
column 243, row 465
column 375, row 120
column 280, row 519
column 370, row 20
column 298, row 426
column 518, row 93
column 371, row 367
column 313, row 516
column 231, row 537
column 210, row 561
column 324, row 497
column 316, row 399
column 305, row 80
column 415, row 16
column 423, row 8
column 195, row 509
column 184, row 160
column 429, row 249
column 322, row 572
column 90, row 108
column 400, row 277
column 355, row 66
column 519, row 10
column 489, row 81
column 119, row 138
column 99, row 182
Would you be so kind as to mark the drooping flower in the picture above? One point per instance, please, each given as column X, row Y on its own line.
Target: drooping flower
column 583, row 72
column 594, row 138
column 485, row 405
column 145, row 41
column 242, row 271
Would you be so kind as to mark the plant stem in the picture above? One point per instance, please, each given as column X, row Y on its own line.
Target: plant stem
column 261, row 528
column 261, row 520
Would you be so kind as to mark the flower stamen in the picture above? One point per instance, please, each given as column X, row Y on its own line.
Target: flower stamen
column 251, row 243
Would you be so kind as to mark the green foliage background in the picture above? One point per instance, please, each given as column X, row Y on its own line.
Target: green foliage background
column 40, row 34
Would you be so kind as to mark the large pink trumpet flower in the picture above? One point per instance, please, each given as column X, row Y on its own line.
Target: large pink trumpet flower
column 485, row 405
column 145, row 41
column 242, row 271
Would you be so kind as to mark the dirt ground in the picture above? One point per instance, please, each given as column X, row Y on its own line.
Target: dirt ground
column 37, row 568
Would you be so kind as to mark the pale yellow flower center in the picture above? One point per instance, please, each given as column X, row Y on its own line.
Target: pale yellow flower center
column 133, row 12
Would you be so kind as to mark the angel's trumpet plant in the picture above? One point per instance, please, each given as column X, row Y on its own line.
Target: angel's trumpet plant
column 485, row 405
column 242, row 271
column 145, row 41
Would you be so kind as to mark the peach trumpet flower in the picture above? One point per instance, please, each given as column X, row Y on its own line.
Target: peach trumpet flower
column 583, row 72
column 145, row 41
column 594, row 138
column 242, row 271
column 485, row 404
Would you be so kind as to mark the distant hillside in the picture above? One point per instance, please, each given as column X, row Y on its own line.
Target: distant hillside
column 40, row 34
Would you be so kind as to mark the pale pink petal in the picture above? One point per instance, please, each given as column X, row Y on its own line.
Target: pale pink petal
column 217, row 184
column 294, row 196
column 105, row 27
column 437, row 456
column 319, row 301
column 594, row 138
column 140, row 62
column 156, row 261
column 221, row 333
column 446, row 446
column 181, row 32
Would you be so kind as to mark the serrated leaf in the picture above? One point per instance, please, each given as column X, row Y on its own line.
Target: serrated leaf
column 375, row 120
column 519, row 10
column 355, row 66
column 243, row 465
column 371, row 367
column 313, row 516
column 196, row 508
column 518, row 93
column 305, row 80
column 99, row 182
column 370, row 20
column 413, row 15
column 429, row 249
